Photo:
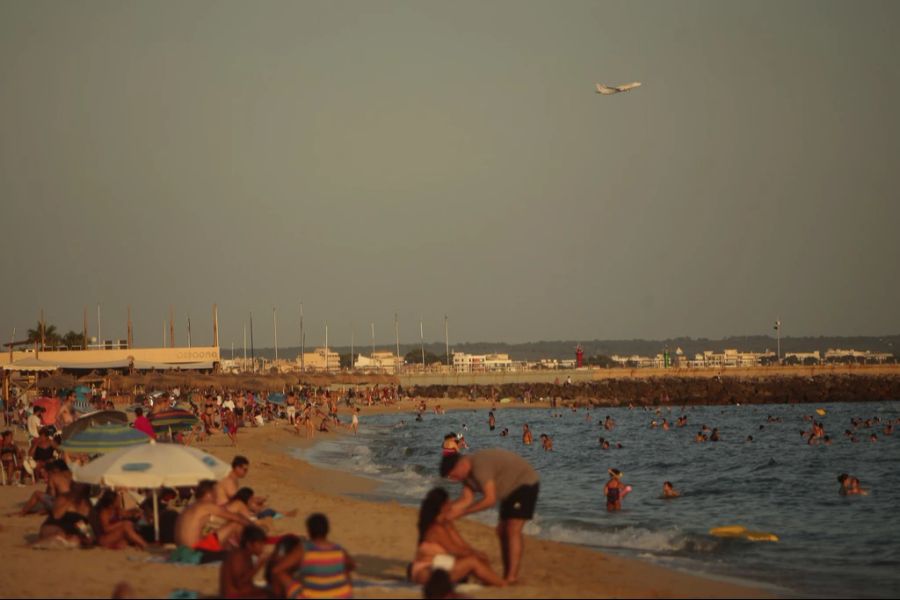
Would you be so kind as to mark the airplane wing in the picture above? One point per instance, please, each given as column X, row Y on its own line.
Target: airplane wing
column 606, row 90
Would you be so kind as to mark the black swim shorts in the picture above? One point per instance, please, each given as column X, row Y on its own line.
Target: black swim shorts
column 520, row 503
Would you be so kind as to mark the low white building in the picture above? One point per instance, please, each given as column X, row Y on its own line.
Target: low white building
column 839, row 354
column 320, row 359
column 479, row 363
column 379, row 362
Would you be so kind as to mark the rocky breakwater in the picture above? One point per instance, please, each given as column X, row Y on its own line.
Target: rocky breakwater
column 685, row 390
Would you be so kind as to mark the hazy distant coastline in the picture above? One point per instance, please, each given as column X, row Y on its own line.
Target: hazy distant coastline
column 563, row 349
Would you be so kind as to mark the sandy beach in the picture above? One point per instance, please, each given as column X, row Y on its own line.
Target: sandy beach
column 380, row 536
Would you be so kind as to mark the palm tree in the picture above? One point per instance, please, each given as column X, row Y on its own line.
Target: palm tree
column 51, row 337
column 73, row 340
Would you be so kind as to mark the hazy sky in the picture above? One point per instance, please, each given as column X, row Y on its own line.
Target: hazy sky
column 432, row 158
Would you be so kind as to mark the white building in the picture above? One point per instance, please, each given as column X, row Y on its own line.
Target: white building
column 838, row 354
column 479, row 363
column 321, row 359
column 379, row 362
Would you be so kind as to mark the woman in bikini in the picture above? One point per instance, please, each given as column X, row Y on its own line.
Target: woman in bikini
column 113, row 529
column 441, row 546
column 43, row 450
column 68, row 519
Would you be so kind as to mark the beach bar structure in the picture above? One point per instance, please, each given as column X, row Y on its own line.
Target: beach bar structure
column 141, row 359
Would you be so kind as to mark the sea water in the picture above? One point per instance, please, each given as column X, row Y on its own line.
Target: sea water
column 830, row 545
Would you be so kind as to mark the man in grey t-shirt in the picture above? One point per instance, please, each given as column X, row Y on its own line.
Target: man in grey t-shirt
column 499, row 476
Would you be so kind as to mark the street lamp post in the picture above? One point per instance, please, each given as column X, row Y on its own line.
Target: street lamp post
column 778, row 339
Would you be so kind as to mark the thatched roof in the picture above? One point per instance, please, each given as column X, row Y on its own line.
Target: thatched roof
column 56, row 381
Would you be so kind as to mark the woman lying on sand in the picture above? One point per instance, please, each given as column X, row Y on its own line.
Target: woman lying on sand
column 441, row 546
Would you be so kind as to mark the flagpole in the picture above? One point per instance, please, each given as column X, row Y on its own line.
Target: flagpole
column 302, row 338
column 373, row 342
column 275, row 325
column 447, row 340
column 397, row 338
column 252, row 349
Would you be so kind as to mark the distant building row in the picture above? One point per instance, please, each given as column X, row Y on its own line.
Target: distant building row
column 321, row 360
column 734, row 358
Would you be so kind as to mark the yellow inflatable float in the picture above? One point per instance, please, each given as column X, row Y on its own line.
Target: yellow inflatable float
column 739, row 531
column 820, row 412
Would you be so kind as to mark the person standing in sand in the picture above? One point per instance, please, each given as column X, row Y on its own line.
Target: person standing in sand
column 229, row 425
column 500, row 477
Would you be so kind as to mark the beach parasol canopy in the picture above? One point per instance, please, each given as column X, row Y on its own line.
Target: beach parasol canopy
column 51, row 407
column 100, row 417
column 173, row 419
column 57, row 381
column 152, row 466
column 101, row 439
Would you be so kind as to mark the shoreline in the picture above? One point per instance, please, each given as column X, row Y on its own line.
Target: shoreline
column 380, row 535
column 459, row 405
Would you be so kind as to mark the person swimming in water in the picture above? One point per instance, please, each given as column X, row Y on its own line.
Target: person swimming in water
column 526, row 435
column 604, row 444
column 547, row 442
column 669, row 491
column 850, row 486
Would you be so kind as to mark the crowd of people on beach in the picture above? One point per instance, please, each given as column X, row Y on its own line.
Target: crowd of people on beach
column 223, row 520
column 228, row 522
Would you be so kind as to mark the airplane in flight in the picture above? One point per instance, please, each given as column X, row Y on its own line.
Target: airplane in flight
column 607, row 90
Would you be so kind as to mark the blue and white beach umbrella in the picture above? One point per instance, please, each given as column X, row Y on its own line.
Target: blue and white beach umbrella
column 152, row 466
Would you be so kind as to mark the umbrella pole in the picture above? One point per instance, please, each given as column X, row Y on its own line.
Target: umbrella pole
column 156, row 514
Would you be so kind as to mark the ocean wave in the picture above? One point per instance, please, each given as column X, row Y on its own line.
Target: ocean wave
column 666, row 541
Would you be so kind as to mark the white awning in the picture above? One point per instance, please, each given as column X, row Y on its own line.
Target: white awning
column 144, row 365
column 30, row 364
